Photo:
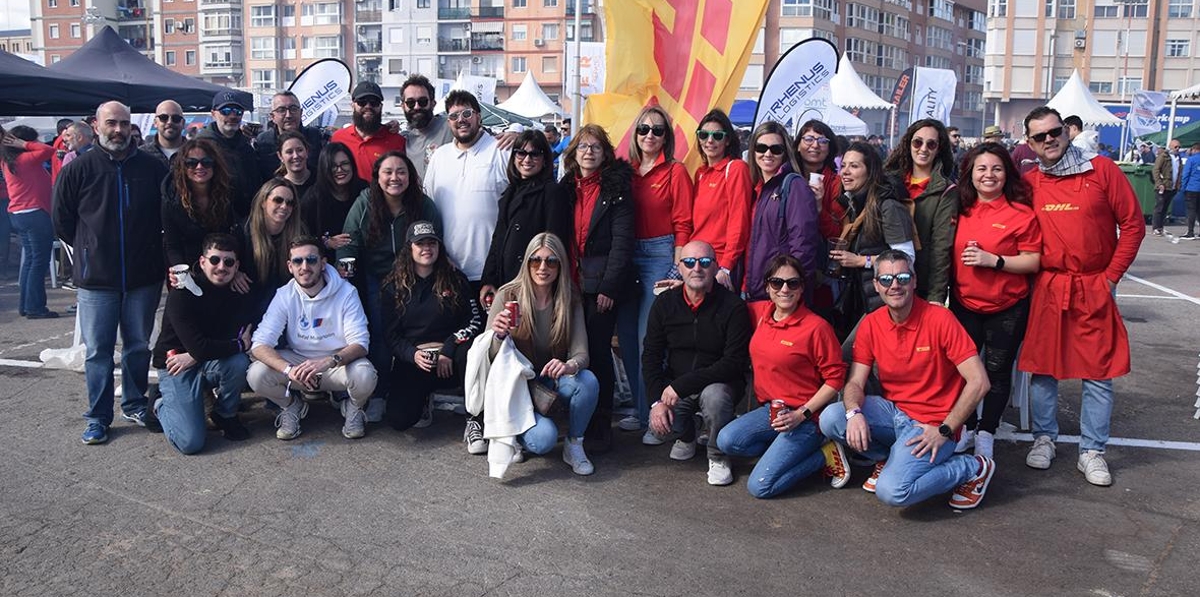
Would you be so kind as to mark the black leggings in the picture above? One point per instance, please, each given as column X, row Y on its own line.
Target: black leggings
column 600, row 328
column 411, row 387
column 998, row 335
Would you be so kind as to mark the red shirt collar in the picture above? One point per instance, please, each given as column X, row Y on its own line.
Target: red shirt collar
column 694, row 307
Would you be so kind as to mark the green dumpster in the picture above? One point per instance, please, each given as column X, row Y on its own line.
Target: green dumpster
column 1141, row 179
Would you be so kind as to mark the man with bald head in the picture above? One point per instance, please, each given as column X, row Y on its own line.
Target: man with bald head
column 694, row 358
column 168, row 138
column 106, row 206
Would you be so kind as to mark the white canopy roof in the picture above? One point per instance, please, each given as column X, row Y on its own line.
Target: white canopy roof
column 845, row 123
column 848, row 90
column 1192, row 92
column 529, row 100
column 1074, row 99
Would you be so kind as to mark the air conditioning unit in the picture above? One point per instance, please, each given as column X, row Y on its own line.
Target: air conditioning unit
column 539, row 42
column 477, row 60
column 1081, row 43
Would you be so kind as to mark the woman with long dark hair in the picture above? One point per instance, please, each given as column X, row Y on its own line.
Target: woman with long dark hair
column 273, row 222
column 324, row 207
column 197, row 201
column 924, row 162
column 817, row 150
column 293, row 161
column 28, row 185
column 997, row 245
column 721, row 209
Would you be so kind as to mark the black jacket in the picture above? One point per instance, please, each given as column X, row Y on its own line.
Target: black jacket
column 709, row 346
column 267, row 150
column 182, row 236
column 527, row 208
column 897, row 227
column 606, row 266
column 206, row 326
column 151, row 147
column 109, row 211
column 325, row 216
column 424, row 320
column 243, row 167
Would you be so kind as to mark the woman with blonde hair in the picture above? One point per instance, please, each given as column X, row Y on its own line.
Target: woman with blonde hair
column 273, row 222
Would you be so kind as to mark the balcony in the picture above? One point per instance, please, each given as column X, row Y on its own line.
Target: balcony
column 588, row 9
column 490, row 12
column 217, row 3
column 453, row 45
column 219, row 68
column 369, row 16
column 369, row 47
column 487, row 43
column 454, row 13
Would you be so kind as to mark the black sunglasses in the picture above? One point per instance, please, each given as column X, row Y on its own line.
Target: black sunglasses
column 232, row 111
column 413, row 102
column 690, row 262
column 931, row 144
column 309, row 259
column 193, row 162
column 764, row 148
column 778, row 283
column 532, row 153
column 645, row 129
column 714, row 135
column 228, row 261
column 170, row 118
column 536, row 261
column 1052, row 133
column 364, row 102
column 886, row 280
column 280, row 201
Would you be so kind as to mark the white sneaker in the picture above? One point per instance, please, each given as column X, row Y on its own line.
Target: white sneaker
column 630, row 423
column 983, row 444
column 683, row 450
column 356, row 420
column 426, row 414
column 473, row 435
column 965, row 442
column 1041, row 454
column 719, row 472
column 519, row 457
column 1095, row 470
column 651, row 439
column 574, row 455
column 288, row 419
column 375, row 409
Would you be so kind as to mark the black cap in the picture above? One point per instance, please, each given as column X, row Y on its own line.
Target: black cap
column 367, row 89
column 421, row 230
column 227, row 98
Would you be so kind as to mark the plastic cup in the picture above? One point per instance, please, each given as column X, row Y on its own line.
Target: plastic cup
column 347, row 265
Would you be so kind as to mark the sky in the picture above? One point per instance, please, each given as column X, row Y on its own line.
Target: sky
column 14, row 14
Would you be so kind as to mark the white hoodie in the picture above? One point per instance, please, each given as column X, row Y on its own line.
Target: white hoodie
column 318, row 326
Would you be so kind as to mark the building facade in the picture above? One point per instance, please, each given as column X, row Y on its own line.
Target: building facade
column 17, row 41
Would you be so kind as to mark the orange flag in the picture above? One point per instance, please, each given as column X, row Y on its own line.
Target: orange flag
column 688, row 56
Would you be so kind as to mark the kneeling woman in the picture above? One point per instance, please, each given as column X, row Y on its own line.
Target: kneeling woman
column 431, row 316
column 798, row 360
column 550, row 333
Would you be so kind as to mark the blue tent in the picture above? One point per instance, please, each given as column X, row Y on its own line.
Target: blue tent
column 742, row 113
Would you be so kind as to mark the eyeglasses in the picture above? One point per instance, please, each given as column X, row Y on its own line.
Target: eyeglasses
column 714, row 135
column 216, row 259
column 811, row 139
column 763, row 148
column 281, row 110
column 277, row 200
column 536, row 261
column 413, row 102
column 779, row 283
column 645, row 129
column 464, row 114
column 176, row 118
column 588, row 147
column 309, row 259
column 1052, row 134
column 231, row 111
column 342, row 166
column 690, row 262
column 365, row 102
column 532, row 153
column 191, row 163
column 930, row 144
column 886, row 280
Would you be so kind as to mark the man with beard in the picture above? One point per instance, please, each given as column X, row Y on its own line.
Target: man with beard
column 426, row 131
column 226, row 130
column 106, row 205
column 169, row 138
column 368, row 138
column 78, row 141
column 285, row 116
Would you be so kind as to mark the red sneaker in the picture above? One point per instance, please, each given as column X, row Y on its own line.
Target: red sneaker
column 869, row 485
column 969, row 494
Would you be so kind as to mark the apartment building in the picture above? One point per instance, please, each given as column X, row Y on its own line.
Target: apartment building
column 17, row 41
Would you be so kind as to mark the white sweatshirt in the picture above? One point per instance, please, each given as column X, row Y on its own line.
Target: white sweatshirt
column 318, row 326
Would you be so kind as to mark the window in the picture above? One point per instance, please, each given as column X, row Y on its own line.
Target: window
column 1179, row 47
column 1060, row 81
column 326, row 46
column 937, row 62
column 550, row 3
column 973, row 74
column 822, row 9
column 326, row 13
column 895, row 26
column 978, row 21
column 861, row 50
column 1102, row 87
column 790, row 36
column 998, row 8
column 289, row 47
column 973, row 101
column 54, row 32
column 519, row 65
column 262, row 16
column 1066, row 9
column 892, row 57
column 1105, row 12
column 75, row 3
column 189, row 57
column 168, row 26
column 1128, row 85
column 881, row 86
column 550, row 31
column 54, row 58
column 585, row 27
column 422, row 3
column 753, row 79
column 550, row 64
column 942, row 9
column 262, row 48
column 396, row 35
column 520, row 32
column 520, row 3
column 937, row 37
column 262, row 79
column 170, row 58
column 396, row 66
column 1179, row 9
column 424, row 37
column 52, row 3
column 76, row 30
column 287, row 15
column 289, row 77
column 189, row 25
column 1138, row 10
column 219, row 57
column 862, row 17
column 223, row 24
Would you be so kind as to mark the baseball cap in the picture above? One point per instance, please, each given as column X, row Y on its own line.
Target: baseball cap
column 421, row 230
column 226, row 98
column 366, row 89
column 993, row 131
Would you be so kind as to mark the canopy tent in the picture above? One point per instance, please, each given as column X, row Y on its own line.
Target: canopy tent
column 848, row 91
column 137, row 81
column 31, row 90
column 529, row 100
column 742, row 112
column 1187, row 135
column 841, row 121
column 497, row 118
column 1075, row 99
column 1189, row 93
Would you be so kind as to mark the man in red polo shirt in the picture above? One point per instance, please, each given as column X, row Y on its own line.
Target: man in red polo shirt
column 368, row 138
column 932, row 380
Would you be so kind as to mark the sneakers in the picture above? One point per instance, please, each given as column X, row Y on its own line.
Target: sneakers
column 288, row 420
column 1041, row 453
column 426, row 414
column 573, row 455
column 1188, row 236
column 869, row 484
column 1157, row 232
column 630, row 423
column 969, row 494
column 231, row 427
column 835, row 464
column 94, row 434
column 356, row 420
column 719, row 472
column 983, row 444
column 652, row 439
column 138, row 419
column 375, row 409
column 473, row 435
column 1095, row 470
column 965, row 442
column 683, row 450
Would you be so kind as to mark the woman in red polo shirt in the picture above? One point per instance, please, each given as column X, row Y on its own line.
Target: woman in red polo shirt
column 796, row 359
column 997, row 245
column 662, row 203
column 721, row 209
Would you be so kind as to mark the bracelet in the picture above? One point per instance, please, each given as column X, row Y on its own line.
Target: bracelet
column 287, row 370
column 850, row 414
column 868, row 265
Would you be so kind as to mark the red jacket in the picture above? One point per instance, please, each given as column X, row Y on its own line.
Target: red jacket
column 721, row 210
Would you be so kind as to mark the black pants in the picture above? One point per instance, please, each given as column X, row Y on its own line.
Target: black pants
column 600, row 328
column 1192, row 201
column 411, row 387
column 1162, row 202
column 998, row 335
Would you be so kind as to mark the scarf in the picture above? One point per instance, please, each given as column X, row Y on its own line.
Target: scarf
column 1073, row 161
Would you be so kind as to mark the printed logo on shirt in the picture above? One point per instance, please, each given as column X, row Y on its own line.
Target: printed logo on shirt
column 306, row 324
column 999, row 226
column 786, row 343
column 1060, row 207
column 923, row 349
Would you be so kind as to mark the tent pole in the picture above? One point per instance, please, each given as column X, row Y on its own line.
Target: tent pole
column 892, row 129
column 1171, row 122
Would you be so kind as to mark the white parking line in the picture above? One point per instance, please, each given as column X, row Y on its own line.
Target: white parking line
column 1190, row 299
column 1115, row 441
column 1151, row 296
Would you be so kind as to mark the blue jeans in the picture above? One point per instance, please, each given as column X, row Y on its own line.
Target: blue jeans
column 580, row 392
column 37, row 240
column 906, row 479
column 100, row 314
column 786, row 457
column 653, row 258
column 182, row 409
column 378, row 352
column 1095, row 410
column 5, row 232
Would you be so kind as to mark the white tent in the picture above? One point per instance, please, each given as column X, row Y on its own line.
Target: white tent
column 848, row 90
column 1189, row 93
column 1075, row 99
column 845, row 123
column 529, row 100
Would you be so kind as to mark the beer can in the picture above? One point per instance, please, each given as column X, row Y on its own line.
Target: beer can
column 172, row 352
column 776, row 407
column 514, row 308
column 973, row 243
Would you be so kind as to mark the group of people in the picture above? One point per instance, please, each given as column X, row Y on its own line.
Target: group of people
column 379, row 267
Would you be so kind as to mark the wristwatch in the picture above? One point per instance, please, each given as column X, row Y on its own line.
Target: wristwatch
column 999, row 263
column 807, row 413
column 337, row 359
column 946, row 431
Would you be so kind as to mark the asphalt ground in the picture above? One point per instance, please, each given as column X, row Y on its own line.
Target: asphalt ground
column 412, row 514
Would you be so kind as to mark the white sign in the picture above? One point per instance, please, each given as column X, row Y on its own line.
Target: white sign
column 320, row 86
column 802, row 72
column 591, row 66
column 932, row 94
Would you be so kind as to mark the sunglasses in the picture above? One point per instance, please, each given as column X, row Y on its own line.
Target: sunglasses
column 690, row 262
column 309, row 259
column 413, row 102
column 536, row 261
column 191, row 163
column 232, row 111
column 228, row 261
column 930, row 144
column 645, row 129
column 454, row 116
column 714, row 135
column 1052, row 134
column 342, row 166
column 886, row 280
column 532, row 153
column 365, row 102
column 764, row 148
column 176, row 118
column 280, row 201
column 281, row 110
column 779, row 283
column 810, row 139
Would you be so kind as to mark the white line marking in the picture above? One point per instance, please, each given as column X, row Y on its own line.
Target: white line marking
column 1190, row 299
column 35, row 342
column 1150, row 296
column 39, row 365
column 1115, row 441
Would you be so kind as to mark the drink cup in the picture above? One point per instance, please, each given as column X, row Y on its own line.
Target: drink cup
column 347, row 265
column 816, row 180
column 834, row 269
column 432, row 354
column 182, row 274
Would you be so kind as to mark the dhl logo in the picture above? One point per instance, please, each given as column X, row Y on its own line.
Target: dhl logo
column 1060, row 207
column 999, row 226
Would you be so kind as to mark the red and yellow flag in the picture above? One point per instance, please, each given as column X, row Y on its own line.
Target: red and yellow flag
column 688, row 56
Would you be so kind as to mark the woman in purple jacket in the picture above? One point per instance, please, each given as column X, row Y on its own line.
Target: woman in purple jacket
column 784, row 220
